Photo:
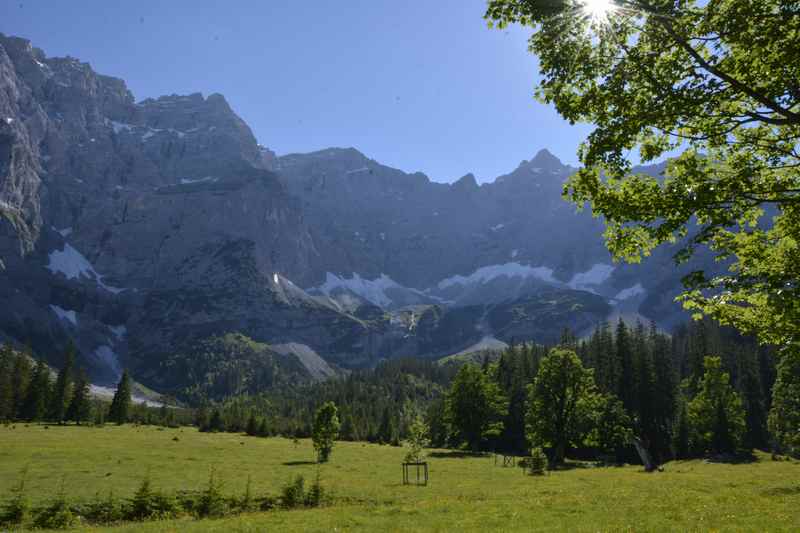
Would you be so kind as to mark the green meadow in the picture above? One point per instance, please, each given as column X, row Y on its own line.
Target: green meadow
column 466, row 493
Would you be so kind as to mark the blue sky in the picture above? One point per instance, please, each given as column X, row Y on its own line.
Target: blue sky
column 418, row 85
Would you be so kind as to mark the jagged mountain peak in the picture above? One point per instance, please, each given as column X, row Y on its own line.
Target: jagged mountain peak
column 544, row 159
column 466, row 182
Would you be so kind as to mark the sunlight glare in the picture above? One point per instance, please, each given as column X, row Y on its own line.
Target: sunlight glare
column 598, row 11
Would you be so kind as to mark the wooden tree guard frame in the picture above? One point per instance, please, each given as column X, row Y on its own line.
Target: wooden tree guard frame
column 419, row 467
column 508, row 460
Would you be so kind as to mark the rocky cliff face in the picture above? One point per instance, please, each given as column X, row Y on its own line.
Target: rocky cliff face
column 136, row 228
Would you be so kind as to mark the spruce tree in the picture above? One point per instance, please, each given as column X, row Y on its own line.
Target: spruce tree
column 784, row 417
column 120, row 410
column 37, row 399
column 62, row 390
column 252, row 425
column 80, row 408
column 387, row 430
column 681, row 439
column 20, row 381
column 626, row 388
column 6, row 386
column 750, row 389
column 216, row 423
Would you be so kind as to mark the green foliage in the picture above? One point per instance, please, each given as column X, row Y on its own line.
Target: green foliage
column 716, row 414
column 228, row 365
column 316, row 495
column 18, row 507
column 7, row 359
column 121, row 403
column 537, row 462
column 38, row 395
column 681, row 440
column 325, row 431
column 417, row 441
column 474, row 408
column 62, row 389
column 561, row 401
column 611, row 426
column 104, row 510
column 211, row 502
column 80, row 407
column 716, row 79
column 149, row 504
column 293, row 493
column 784, row 417
column 57, row 515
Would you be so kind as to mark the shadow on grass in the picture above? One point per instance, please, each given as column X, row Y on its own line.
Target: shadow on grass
column 782, row 491
column 299, row 463
column 457, row 454
column 574, row 465
column 733, row 459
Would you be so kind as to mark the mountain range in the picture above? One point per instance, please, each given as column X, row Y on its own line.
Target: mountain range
column 137, row 230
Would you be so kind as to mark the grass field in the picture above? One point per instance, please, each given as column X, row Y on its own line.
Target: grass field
column 465, row 493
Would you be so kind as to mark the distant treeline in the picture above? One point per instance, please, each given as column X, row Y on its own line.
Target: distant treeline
column 30, row 393
column 644, row 385
column 649, row 380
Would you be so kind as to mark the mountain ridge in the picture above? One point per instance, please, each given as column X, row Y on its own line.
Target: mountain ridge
column 135, row 230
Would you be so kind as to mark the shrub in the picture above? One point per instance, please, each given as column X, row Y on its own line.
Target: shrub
column 212, row 503
column 104, row 511
column 293, row 494
column 316, row 495
column 58, row 515
column 149, row 504
column 18, row 507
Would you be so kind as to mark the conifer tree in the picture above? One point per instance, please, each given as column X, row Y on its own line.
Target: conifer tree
column 62, row 390
column 20, row 381
column 37, row 399
column 216, row 423
column 784, row 417
column 387, row 432
column 6, row 386
column 80, row 408
column 626, row 389
column 252, row 425
column 681, row 438
column 749, row 386
column 120, row 410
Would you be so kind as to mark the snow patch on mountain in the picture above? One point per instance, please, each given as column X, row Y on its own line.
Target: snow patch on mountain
column 119, row 331
column 72, row 264
column 630, row 292
column 65, row 314
column 189, row 181
column 373, row 291
column 510, row 270
column 592, row 278
column 105, row 355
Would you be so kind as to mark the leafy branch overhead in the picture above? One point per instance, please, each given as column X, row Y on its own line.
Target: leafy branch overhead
column 718, row 81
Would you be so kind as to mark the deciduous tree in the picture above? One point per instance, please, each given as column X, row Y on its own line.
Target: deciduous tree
column 717, row 80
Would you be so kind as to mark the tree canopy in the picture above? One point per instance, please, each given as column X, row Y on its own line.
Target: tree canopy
column 717, row 80
column 326, row 430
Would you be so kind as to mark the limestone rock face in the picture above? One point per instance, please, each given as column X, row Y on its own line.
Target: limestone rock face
column 135, row 229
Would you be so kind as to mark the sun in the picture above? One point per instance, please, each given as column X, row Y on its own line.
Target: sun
column 598, row 11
